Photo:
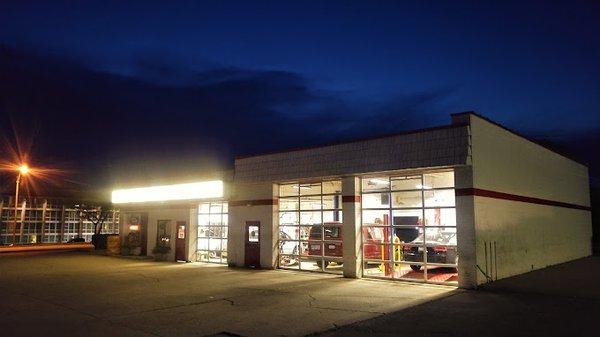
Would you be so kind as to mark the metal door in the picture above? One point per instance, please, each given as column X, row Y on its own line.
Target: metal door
column 252, row 251
column 180, row 242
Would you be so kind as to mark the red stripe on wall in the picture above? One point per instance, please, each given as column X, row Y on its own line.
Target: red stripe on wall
column 351, row 198
column 259, row 202
column 513, row 197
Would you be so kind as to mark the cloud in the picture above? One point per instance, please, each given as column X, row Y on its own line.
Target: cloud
column 112, row 127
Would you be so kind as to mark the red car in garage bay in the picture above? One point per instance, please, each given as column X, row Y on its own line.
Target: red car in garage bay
column 332, row 246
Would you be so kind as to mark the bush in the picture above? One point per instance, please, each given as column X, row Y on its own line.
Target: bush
column 125, row 250
column 134, row 239
column 99, row 240
column 76, row 240
column 160, row 249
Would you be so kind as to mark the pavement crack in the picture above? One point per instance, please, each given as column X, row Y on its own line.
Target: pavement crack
column 311, row 304
column 155, row 279
column 349, row 310
column 228, row 300
column 311, row 300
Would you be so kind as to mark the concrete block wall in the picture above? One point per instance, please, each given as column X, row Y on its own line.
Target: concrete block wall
column 250, row 203
column 253, row 202
column 185, row 213
column 255, row 182
column 512, row 178
column 443, row 146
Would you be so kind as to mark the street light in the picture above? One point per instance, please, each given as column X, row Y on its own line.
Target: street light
column 23, row 171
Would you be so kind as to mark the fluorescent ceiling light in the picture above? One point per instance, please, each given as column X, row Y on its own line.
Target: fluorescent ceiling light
column 425, row 187
column 379, row 181
column 200, row 190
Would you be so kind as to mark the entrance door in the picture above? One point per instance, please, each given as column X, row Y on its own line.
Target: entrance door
column 180, row 242
column 252, row 252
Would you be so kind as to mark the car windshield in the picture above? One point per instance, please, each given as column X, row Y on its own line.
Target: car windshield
column 315, row 232
column 332, row 231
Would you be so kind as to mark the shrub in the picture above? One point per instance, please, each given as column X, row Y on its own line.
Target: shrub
column 160, row 249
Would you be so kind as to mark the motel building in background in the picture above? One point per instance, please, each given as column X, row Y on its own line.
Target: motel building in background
column 461, row 204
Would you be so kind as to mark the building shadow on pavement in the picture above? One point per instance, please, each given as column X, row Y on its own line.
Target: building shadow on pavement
column 561, row 300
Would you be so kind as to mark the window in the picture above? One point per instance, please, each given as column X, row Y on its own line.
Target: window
column 310, row 226
column 49, row 223
column 409, row 227
column 71, row 225
column 253, row 235
column 212, row 232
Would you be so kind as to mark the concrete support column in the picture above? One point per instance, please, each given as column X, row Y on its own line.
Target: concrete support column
column 235, row 234
column 80, row 228
column 23, row 211
column 351, row 214
column 62, row 225
column 192, row 235
column 123, row 230
column 2, row 224
column 269, row 231
column 465, row 228
column 254, row 202
column 42, row 230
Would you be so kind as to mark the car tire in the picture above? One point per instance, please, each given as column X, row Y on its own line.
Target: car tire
column 320, row 264
column 415, row 267
column 292, row 261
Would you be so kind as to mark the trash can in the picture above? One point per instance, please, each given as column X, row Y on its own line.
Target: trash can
column 113, row 244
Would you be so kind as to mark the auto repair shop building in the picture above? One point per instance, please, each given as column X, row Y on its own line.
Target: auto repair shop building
column 459, row 204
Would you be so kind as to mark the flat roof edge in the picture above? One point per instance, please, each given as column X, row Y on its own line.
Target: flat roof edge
column 560, row 153
column 389, row 135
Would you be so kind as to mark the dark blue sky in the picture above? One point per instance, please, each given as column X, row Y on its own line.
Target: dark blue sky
column 358, row 68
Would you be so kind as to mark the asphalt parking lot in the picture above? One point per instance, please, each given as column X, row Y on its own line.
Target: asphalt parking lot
column 78, row 294
column 562, row 300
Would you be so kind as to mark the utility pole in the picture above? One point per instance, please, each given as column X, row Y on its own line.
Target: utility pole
column 23, row 170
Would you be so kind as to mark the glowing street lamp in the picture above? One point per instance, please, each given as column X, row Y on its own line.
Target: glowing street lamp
column 23, row 171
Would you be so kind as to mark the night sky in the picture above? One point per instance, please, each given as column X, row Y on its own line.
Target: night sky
column 118, row 93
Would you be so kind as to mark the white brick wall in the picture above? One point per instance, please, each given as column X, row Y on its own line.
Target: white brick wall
column 528, row 236
column 435, row 147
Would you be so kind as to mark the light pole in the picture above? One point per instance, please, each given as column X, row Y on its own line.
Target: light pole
column 23, row 170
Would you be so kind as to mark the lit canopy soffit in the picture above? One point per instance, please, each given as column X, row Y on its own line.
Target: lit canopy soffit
column 191, row 191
